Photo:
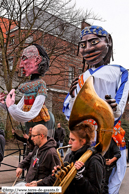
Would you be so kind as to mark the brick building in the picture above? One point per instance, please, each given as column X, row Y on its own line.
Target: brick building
column 64, row 62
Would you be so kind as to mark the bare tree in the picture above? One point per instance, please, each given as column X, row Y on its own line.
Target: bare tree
column 52, row 23
column 29, row 17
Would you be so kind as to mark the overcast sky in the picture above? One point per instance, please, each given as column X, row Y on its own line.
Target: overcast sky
column 116, row 14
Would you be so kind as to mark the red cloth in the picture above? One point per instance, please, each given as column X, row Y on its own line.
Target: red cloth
column 119, row 135
column 29, row 101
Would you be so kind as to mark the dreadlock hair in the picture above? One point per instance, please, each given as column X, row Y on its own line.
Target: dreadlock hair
column 109, row 55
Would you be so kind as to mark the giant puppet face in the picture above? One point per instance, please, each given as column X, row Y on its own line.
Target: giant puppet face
column 94, row 45
column 30, row 60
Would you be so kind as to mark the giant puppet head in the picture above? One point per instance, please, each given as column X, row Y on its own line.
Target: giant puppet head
column 95, row 46
column 34, row 60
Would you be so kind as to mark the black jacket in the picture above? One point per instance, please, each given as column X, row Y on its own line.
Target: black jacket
column 113, row 151
column 29, row 142
column 92, row 178
column 2, row 144
column 59, row 134
column 48, row 158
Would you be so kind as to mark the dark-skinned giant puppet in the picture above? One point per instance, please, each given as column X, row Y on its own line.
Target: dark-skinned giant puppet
column 31, row 108
column 110, row 83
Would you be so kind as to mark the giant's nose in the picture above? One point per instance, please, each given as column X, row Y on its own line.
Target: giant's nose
column 21, row 64
column 89, row 48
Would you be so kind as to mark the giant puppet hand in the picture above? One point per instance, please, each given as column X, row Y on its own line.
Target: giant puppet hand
column 111, row 102
column 10, row 100
column 73, row 87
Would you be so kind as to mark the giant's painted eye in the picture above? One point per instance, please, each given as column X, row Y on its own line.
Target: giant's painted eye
column 24, row 58
column 82, row 44
column 95, row 42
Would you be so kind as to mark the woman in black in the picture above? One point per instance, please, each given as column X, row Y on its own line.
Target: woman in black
column 88, row 179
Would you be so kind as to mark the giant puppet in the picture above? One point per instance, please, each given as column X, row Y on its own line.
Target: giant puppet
column 31, row 108
column 110, row 81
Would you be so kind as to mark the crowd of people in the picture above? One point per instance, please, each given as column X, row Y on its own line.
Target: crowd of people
column 42, row 161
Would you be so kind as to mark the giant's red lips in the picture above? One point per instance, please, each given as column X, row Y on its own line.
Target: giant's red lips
column 92, row 56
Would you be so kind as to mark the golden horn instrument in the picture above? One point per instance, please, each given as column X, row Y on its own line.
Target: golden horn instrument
column 68, row 146
column 88, row 105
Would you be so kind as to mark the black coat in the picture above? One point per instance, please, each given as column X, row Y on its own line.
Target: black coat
column 92, row 178
column 113, row 151
column 59, row 134
column 48, row 158
column 29, row 142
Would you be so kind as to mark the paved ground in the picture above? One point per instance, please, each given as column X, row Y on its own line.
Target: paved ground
column 7, row 178
column 124, row 189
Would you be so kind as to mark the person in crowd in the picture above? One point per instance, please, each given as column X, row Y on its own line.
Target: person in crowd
column 2, row 144
column 89, row 174
column 25, row 139
column 42, row 160
column 59, row 137
column 110, row 81
column 111, row 157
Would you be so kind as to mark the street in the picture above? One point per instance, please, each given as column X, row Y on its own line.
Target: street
column 7, row 178
column 124, row 189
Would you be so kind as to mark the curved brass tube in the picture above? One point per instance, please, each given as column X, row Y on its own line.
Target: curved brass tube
column 88, row 105
column 68, row 146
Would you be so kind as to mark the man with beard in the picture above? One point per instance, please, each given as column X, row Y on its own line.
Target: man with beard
column 42, row 160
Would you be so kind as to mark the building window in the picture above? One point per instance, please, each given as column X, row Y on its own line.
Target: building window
column 79, row 71
column 71, row 74
column 10, row 62
column 11, row 41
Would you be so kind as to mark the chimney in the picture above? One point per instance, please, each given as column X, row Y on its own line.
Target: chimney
column 84, row 24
